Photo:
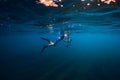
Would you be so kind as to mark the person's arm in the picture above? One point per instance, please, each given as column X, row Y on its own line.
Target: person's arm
column 66, row 39
column 69, row 42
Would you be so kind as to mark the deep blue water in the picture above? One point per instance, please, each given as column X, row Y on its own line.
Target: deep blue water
column 93, row 55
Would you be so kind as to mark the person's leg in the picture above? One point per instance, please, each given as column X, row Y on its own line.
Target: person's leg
column 45, row 39
column 44, row 47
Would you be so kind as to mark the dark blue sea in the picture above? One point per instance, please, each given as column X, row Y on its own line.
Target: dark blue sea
column 94, row 53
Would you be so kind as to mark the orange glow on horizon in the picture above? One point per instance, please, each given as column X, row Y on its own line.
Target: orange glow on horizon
column 54, row 3
column 108, row 1
column 48, row 2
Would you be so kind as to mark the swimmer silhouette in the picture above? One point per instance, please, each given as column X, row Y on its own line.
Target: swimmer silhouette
column 51, row 43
